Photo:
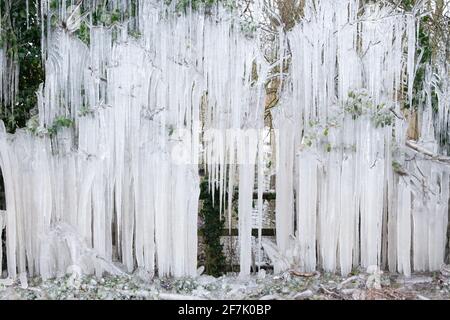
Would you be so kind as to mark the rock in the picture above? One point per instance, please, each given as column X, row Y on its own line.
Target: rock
column 420, row 297
column 303, row 295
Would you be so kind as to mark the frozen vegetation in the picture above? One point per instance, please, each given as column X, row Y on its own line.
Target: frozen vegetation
column 291, row 285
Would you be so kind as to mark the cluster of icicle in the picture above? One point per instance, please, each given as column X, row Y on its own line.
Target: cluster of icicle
column 359, row 199
column 122, row 183
column 108, row 171
column 9, row 78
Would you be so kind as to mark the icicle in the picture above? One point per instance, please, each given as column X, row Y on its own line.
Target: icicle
column 338, row 54
column 404, row 229
column 110, row 169
column 27, row 9
column 284, row 184
column 411, row 32
column 307, row 199
column 260, row 177
column 117, row 143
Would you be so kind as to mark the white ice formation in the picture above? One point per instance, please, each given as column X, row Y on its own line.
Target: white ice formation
column 361, row 197
column 114, row 153
column 108, row 170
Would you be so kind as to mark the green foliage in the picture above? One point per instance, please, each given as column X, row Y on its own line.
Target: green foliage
column 207, row 5
column 317, row 134
column 83, row 33
column 183, row 5
column 54, row 4
column 85, row 111
column 170, row 129
column 408, row 4
column 62, row 121
column 398, row 168
column 248, row 28
column 357, row 103
column 59, row 123
column 212, row 231
column 360, row 103
column 104, row 16
column 135, row 34
column 382, row 117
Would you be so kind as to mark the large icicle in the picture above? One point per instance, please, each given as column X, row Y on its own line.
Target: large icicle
column 347, row 69
column 115, row 147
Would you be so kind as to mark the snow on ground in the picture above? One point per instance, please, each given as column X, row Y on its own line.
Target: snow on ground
column 289, row 285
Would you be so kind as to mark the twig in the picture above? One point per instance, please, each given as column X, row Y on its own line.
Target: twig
column 422, row 150
column 330, row 292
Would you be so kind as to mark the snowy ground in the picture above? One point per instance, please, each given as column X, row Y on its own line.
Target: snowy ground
column 289, row 285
